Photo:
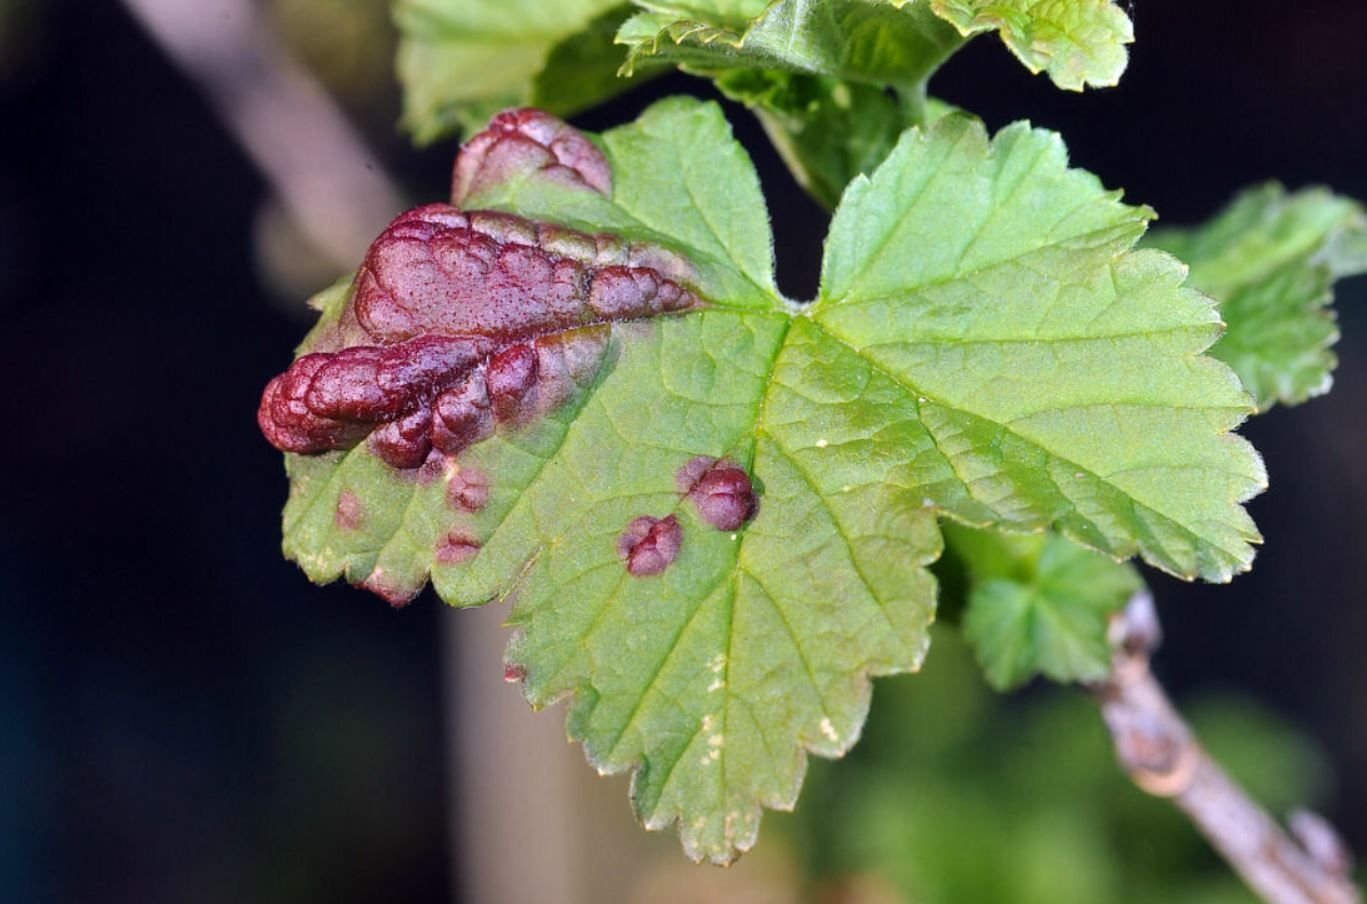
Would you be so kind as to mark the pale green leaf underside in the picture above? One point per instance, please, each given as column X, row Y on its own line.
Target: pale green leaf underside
column 1076, row 42
column 1270, row 259
column 1038, row 604
column 897, row 42
column 859, row 40
column 985, row 346
column 461, row 60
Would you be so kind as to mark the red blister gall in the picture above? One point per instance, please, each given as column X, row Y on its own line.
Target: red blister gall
column 720, row 490
column 405, row 443
column 511, row 376
column 650, row 545
column 459, row 322
column 524, row 142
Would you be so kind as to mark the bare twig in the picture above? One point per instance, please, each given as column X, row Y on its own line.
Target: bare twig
column 1160, row 753
column 315, row 162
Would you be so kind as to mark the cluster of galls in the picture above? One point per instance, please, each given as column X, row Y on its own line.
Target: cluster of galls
column 461, row 321
column 430, row 392
column 458, row 322
column 723, row 496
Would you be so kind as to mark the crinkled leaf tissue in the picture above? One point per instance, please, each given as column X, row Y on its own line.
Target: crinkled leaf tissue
column 577, row 386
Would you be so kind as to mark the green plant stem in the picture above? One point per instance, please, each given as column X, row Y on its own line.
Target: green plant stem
column 913, row 102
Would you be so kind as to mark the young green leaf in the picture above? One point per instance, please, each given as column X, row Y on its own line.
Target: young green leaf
column 870, row 41
column 715, row 510
column 890, row 42
column 1079, row 43
column 462, row 60
column 1038, row 604
column 1271, row 258
column 828, row 131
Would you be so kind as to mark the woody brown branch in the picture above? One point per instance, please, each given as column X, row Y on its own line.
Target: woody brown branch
column 1161, row 754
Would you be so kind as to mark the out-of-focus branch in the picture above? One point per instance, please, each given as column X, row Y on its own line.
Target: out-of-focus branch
column 1308, row 865
column 315, row 162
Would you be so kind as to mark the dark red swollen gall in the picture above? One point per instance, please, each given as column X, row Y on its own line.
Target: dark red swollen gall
column 459, row 322
column 525, row 142
column 650, row 545
column 720, row 490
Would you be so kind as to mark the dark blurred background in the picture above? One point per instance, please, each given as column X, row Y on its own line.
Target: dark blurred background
column 184, row 718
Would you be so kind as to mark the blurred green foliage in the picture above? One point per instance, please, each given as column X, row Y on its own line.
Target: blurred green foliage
column 958, row 795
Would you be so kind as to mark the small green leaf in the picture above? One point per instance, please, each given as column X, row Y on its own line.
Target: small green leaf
column 890, row 42
column 1270, row 259
column 828, row 131
column 870, row 41
column 985, row 346
column 1038, row 604
column 462, row 60
column 1078, row 43
column 583, row 70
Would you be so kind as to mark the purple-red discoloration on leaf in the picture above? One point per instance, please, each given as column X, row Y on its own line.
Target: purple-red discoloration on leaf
column 458, row 323
column 649, row 545
column 349, row 513
column 511, row 375
column 434, row 467
column 720, row 490
column 687, row 477
column 525, row 142
column 513, row 673
column 457, row 547
column 406, row 442
column 397, row 595
column 468, row 490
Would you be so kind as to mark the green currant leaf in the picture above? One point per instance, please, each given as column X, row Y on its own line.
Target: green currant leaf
column 828, row 131
column 462, row 60
column 891, row 42
column 986, row 293
column 1270, row 258
column 1078, row 43
column 1038, row 604
column 582, row 70
column 870, row 41
column 713, row 509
